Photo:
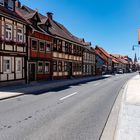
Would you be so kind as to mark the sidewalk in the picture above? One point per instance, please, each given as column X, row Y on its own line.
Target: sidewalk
column 128, row 127
column 40, row 87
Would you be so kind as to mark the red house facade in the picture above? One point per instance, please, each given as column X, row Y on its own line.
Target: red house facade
column 39, row 46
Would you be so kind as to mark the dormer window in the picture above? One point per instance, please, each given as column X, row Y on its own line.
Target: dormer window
column 35, row 20
column 10, row 4
column 34, row 23
column 1, row 2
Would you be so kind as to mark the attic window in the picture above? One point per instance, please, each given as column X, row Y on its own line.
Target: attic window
column 10, row 4
column 34, row 23
column 1, row 2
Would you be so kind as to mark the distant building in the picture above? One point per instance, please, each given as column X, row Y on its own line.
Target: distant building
column 88, row 60
column 106, row 56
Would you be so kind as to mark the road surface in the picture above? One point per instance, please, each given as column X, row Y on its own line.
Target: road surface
column 77, row 112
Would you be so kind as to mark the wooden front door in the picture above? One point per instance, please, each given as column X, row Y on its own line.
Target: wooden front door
column 70, row 69
column 32, row 72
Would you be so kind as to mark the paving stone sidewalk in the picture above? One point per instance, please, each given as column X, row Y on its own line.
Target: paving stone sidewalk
column 128, row 127
column 36, row 87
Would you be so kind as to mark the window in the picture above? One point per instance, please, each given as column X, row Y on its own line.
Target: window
column 59, row 66
column 65, row 66
column 63, row 46
column 10, row 4
column 54, row 65
column 8, row 30
column 70, row 48
column 18, row 65
column 40, row 67
column 1, row 2
column 19, row 35
column 48, row 47
column 47, row 67
column 42, row 46
column 7, row 65
column 34, row 45
column 59, row 45
column 55, row 45
column 66, row 47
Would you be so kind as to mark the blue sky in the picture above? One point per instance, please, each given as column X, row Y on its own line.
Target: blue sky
column 111, row 24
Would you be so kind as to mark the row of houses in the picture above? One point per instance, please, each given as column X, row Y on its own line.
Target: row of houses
column 36, row 47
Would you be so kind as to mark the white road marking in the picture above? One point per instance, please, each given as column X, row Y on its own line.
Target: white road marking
column 96, row 84
column 63, row 98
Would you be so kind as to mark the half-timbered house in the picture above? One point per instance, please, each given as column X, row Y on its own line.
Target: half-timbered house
column 107, row 67
column 12, row 43
column 66, row 50
column 39, row 45
column 88, row 60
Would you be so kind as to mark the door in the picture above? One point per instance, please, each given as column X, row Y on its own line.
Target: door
column 70, row 69
column 32, row 72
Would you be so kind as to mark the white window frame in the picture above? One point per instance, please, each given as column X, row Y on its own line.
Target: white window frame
column 40, row 46
column 8, row 31
column 1, row 3
column 20, row 35
column 5, row 66
column 48, row 50
column 48, row 68
column 38, row 68
column 18, row 65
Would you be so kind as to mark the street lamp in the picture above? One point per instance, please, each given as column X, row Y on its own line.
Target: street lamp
column 136, row 46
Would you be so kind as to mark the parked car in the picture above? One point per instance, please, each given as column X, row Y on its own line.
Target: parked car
column 120, row 71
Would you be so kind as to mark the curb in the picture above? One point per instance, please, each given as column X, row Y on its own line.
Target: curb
column 120, row 112
column 109, row 131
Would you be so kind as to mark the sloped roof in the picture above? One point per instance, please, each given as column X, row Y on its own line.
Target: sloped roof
column 120, row 58
column 100, row 55
column 27, row 15
column 114, row 59
column 105, row 52
column 11, row 14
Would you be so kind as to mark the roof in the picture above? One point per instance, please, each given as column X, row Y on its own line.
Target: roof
column 97, row 53
column 115, row 60
column 120, row 58
column 103, row 51
column 11, row 14
column 27, row 15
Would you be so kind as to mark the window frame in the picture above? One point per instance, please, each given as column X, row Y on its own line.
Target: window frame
column 59, row 66
column 17, row 60
column 36, row 45
column 48, row 43
column 11, row 7
column 55, row 69
column 48, row 68
column 41, row 50
column 38, row 67
column 19, row 35
column 5, row 70
column 2, row 3
column 8, row 32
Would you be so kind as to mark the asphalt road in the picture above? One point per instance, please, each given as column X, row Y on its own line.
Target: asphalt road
column 77, row 112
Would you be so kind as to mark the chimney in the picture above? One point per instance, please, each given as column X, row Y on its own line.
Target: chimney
column 50, row 15
column 18, row 4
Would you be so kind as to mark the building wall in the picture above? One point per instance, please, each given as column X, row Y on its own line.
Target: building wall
column 12, row 50
column 88, row 63
column 40, row 54
column 67, row 58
